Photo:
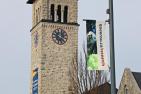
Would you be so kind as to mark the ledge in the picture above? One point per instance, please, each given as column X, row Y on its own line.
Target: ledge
column 49, row 21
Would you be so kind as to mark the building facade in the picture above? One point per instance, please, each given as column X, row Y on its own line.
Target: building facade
column 54, row 39
column 130, row 83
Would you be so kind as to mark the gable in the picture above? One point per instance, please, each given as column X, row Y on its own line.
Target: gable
column 129, row 81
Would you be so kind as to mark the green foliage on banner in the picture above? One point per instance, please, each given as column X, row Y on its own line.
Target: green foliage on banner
column 92, row 62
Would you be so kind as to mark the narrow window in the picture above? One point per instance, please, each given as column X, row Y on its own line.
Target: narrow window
column 52, row 12
column 125, row 90
column 65, row 14
column 59, row 13
column 40, row 12
column 36, row 16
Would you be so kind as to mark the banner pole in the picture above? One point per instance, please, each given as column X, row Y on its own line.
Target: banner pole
column 112, row 52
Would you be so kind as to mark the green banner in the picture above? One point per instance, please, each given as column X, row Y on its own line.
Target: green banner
column 92, row 56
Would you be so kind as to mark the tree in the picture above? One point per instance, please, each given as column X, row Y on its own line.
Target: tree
column 84, row 80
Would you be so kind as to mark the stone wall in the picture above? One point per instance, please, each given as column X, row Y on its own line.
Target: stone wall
column 130, row 83
column 41, row 9
column 55, row 62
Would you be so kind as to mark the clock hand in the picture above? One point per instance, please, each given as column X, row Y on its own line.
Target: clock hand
column 62, row 39
column 60, row 36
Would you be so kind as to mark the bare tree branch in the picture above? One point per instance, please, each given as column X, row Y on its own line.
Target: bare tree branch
column 84, row 80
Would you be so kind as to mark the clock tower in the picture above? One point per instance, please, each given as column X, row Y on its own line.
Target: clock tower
column 54, row 37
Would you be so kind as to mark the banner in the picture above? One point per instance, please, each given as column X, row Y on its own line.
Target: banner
column 100, row 29
column 96, row 58
column 35, row 81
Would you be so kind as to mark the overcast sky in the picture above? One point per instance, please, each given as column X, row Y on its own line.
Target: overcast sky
column 15, row 25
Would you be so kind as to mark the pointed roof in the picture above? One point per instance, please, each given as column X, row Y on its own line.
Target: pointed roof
column 137, row 76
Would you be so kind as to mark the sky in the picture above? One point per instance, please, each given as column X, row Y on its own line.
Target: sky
column 15, row 38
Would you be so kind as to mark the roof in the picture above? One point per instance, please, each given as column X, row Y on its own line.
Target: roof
column 137, row 76
column 102, row 89
column 30, row 1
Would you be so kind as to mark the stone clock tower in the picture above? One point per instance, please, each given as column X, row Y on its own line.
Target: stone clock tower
column 54, row 46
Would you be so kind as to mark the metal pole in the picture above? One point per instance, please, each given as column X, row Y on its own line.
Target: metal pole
column 112, row 52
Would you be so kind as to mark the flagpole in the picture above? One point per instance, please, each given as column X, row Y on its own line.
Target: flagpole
column 112, row 52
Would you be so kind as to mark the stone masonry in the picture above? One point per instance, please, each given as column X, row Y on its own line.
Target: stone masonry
column 54, row 62
column 128, row 84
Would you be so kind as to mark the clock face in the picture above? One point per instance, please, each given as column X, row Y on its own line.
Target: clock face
column 59, row 36
column 36, row 39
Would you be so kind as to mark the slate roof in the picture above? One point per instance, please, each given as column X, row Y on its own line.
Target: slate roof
column 137, row 76
column 30, row 1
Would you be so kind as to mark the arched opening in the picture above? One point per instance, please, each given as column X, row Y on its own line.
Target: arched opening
column 125, row 90
column 65, row 14
column 59, row 13
column 52, row 12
